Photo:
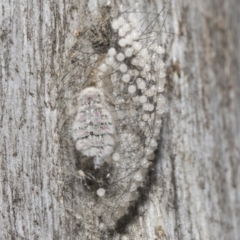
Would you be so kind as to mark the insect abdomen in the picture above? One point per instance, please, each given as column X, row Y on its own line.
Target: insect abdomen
column 93, row 127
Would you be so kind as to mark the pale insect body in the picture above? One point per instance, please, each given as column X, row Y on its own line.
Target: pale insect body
column 93, row 127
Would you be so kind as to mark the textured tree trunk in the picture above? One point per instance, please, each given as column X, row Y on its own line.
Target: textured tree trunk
column 197, row 193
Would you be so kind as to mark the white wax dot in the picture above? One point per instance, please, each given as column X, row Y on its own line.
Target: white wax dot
column 126, row 78
column 145, row 107
column 134, row 22
column 147, row 140
column 133, row 187
column 162, row 74
column 150, row 107
column 143, row 99
column 119, row 212
column 115, row 24
column 132, row 17
column 149, row 151
column 161, row 84
column 134, row 61
column 143, row 74
column 109, row 60
column 134, row 34
column 145, row 163
column 122, row 42
column 145, row 117
column 135, row 99
column 137, row 46
column 121, row 21
column 111, row 52
column 153, row 88
column 159, row 49
column 135, row 72
column 116, row 156
column 152, row 47
column 128, row 39
column 121, row 32
column 149, row 93
column 144, row 53
column 103, row 67
column 147, row 67
column 123, row 68
column 161, row 64
column 139, row 80
column 141, row 124
column 100, row 192
column 128, row 52
column 153, row 34
column 141, row 62
column 141, row 83
column 121, row 8
column 120, row 57
column 153, row 143
column 102, row 226
column 131, row 72
column 159, row 121
column 161, row 100
column 132, row 89
column 160, row 88
column 154, row 59
column 119, row 100
column 138, row 176
column 126, row 27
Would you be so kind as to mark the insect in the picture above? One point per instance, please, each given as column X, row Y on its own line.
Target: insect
column 117, row 116
column 93, row 127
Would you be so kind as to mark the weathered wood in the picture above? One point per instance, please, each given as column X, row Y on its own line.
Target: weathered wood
column 197, row 195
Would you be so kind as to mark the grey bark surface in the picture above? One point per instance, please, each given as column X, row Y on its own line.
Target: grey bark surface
column 197, row 195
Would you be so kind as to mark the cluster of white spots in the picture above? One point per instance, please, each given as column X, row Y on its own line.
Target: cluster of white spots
column 116, row 156
column 137, row 61
column 138, row 81
column 93, row 126
column 133, row 73
column 135, row 161
column 101, row 192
